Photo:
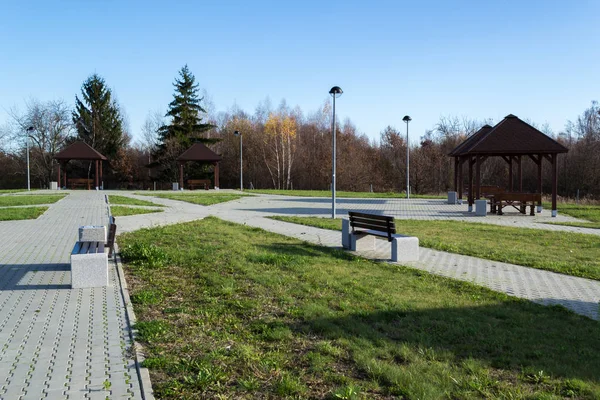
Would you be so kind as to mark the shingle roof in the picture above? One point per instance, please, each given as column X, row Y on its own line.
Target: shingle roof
column 509, row 136
column 79, row 151
column 199, row 152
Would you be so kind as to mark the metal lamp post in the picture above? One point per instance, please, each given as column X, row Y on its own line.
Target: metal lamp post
column 407, row 119
column 335, row 92
column 29, row 130
column 238, row 133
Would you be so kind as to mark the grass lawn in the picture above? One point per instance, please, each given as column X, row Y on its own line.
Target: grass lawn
column 202, row 198
column 128, row 201
column 8, row 191
column 229, row 311
column 123, row 211
column 568, row 253
column 27, row 200
column 327, row 193
column 587, row 212
column 13, row 214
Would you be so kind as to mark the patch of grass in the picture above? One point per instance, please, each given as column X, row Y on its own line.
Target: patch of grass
column 129, row 201
column 589, row 213
column 123, row 211
column 13, row 214
column 28, row 200
column 357, row 195
column 202, row 198
column 9, row 191
column 266, row 316
column 565, row 252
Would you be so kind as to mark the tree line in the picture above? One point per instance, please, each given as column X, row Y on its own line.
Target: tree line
column 283, row 147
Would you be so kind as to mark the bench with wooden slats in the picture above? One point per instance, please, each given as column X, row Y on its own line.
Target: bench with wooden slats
column 202, row 183
column 80, row 182
column 372, row 224
column 88, row 248
column 404, row 248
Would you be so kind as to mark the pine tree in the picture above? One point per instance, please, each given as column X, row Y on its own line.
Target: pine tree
column 97, row 117
column 185, row 111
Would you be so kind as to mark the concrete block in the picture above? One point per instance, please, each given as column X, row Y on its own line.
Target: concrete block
column 554, row 213
column 53, row 185
column 360, row 242
column 481, row 208
column 539, row 209
column 88, row 269
column 175, row 185
column 92, row 233
column 470, row 208
column 345, row 233
column 452, row 197
column 405, row 248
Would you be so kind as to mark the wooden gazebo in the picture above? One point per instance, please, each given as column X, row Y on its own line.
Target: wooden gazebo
column 511, row 139
column 79, row 151
column 200, row 153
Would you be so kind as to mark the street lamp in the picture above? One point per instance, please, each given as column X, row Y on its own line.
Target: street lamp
column 29, row 130
column 335, row 92
column 238, row 133
column 407, row 119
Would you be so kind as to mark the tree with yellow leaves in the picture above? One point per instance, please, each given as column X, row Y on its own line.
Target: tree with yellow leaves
column 279, row 148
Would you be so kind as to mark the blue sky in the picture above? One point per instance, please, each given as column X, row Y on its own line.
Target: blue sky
column 535, row 59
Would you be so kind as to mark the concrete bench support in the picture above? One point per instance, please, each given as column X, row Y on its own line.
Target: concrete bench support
column 452, row 198
column 89, row 265
column 480, row 208
column 345, row 233
column 405, row 248
column 92, row 233
column 360, row 242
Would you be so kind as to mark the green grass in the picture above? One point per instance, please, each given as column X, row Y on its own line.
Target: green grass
column 27, row 200
column 9, row 191
column 229, row 311
column 590, row 213
column 327, row 193
column 18, row 213
column 129, row 201
column 568, row 253
column 202, row 198
column 123, row 211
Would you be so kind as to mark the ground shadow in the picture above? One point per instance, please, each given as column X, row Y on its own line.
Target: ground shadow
column 306, row 249
column 27, row 276
column 325, row 200
column 508, row 335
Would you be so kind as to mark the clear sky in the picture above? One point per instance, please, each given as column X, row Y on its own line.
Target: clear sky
column 480, row 59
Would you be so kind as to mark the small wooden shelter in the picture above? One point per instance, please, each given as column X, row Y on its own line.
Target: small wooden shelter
column 79, row 151
column 511, row 139
column 200, row 153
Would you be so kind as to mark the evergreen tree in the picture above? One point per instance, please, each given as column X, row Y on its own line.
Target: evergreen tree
column 97, row 117
column 185, row 111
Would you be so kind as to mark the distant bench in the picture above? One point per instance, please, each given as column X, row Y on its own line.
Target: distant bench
column 404, row 248
column 520, row 200
column 194, row 183
column 80, row 182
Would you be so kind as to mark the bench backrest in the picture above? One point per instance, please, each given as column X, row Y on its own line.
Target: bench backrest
column 79, row 180
column 519, row 196
column 381, row 223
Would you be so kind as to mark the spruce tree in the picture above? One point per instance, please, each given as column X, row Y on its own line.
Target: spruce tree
column 185, row 111
column 97, row 117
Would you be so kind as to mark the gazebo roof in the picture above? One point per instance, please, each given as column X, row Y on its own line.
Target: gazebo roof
column 199, row 152
column 510, row 136
column 79, row 151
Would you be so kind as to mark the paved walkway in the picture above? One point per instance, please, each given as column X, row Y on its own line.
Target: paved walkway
column 58, row 342
column 544, row 287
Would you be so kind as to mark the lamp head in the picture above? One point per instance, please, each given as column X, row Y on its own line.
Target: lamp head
column 30, row 129
column 237, row 133
column 336, row 91
column 407, row 119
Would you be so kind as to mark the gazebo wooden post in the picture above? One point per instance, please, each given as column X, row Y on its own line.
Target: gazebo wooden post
column 520, row 173
column 180, row 175
column 539, row 183
column 101, row 177
column 456, row 174
column 478, row 177
column 460, row 177
column 96, row 175
column 58, row 176
column 510, row 174
column 65, row 176
column 554, row 183
column 216, row 175
column 470, row 184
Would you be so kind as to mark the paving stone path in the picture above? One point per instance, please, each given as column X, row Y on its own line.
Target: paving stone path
column 544, row 287
column 58, row 342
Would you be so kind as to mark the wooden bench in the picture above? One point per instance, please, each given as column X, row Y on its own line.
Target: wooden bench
column 404, row 248
column 203, row 183
column 80, row 182
column 520, row 200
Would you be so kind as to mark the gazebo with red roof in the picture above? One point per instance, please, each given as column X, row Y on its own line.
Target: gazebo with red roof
column 510, row 139
column 79, row 151
column 200, row 153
